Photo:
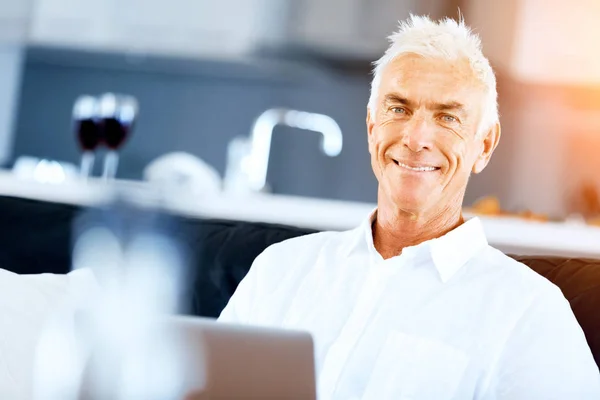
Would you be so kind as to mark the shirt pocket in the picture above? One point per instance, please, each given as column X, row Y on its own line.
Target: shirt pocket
column 414, row 368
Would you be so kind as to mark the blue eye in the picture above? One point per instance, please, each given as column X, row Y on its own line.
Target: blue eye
column 449, row 118
column 398, row 110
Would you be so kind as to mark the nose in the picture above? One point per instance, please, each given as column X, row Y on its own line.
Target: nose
column 418, row 135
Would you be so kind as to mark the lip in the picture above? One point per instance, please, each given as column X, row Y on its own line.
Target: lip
column 416, row 167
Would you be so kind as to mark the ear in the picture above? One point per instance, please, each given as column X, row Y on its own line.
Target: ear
column 490, row 141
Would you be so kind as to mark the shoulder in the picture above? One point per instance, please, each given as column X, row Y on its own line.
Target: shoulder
column 514, row 279
column 540, row 336
column 309, row 245
column 293, row 258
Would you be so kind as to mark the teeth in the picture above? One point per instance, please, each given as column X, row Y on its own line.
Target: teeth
column 418, row 169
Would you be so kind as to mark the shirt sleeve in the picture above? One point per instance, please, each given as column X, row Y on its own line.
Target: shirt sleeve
column 546, row 356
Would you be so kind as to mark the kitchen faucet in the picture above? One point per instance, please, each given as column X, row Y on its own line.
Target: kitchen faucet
column 255, row 161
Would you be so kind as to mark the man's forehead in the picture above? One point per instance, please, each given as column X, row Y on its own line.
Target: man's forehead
column 418, row 78
column 411, row 65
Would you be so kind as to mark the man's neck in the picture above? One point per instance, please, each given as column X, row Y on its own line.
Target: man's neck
column 395, row 229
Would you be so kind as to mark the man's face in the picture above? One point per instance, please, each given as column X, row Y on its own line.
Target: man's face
column 423, row 133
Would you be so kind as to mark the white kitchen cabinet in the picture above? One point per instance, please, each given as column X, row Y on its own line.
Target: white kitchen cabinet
column 191, row 27
column 69, row 23
column 341, row 28
column 14, row 27
column 11, row 65
column 511, row 235
column 346, row 28
column 174, row 27
column 14, row 20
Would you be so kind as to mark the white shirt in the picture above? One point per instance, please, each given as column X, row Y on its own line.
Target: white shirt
column 450, row 318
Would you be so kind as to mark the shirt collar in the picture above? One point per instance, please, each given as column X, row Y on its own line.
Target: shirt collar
column 448, row 252
column 362, row 235
column 453, row 250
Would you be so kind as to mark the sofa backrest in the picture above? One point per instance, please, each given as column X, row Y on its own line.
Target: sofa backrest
column 35, row 237
column 230, row 248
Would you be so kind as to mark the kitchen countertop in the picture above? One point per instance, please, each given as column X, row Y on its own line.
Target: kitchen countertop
column 509, row 234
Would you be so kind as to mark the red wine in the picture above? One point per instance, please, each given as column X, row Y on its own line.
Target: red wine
column 88, row 133
column 115, row 132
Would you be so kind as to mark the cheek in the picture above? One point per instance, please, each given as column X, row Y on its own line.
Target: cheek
column 456, row 150
column 382, row 137
column 470, row 154
column 375, row 150
column 371, row 142
column 461, row 159
column 372, row 146
column 377, row 146
column 375, row 142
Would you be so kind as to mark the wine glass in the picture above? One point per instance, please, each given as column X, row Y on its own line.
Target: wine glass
column 87, row 131
column 117, row 114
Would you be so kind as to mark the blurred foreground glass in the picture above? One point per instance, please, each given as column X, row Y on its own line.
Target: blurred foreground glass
column 110, row 343
column 118, row 114
column 87, row 131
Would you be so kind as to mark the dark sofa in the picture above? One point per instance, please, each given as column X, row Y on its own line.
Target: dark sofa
column 35, row 237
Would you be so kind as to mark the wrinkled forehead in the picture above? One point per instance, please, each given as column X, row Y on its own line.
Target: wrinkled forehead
column 428, row 79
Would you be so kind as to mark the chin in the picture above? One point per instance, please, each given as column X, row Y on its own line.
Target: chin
column 412, row 203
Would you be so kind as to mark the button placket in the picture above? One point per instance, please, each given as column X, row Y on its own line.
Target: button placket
column 353, row 329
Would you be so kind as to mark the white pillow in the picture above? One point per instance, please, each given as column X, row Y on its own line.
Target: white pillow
column 26, row 302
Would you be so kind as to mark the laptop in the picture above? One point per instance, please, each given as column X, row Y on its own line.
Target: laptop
column 227, row 361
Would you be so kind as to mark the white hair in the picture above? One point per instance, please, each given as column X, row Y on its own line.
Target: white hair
column 446, row 39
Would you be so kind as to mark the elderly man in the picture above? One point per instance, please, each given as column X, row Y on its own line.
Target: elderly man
column 414, row 303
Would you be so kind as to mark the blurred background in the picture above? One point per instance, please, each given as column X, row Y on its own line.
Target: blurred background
column 202, row 71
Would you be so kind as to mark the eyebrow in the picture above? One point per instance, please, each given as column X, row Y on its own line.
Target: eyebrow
column 397, row 99
column 449, row 106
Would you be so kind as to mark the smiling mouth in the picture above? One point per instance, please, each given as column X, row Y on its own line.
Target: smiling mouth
column 416, row 168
